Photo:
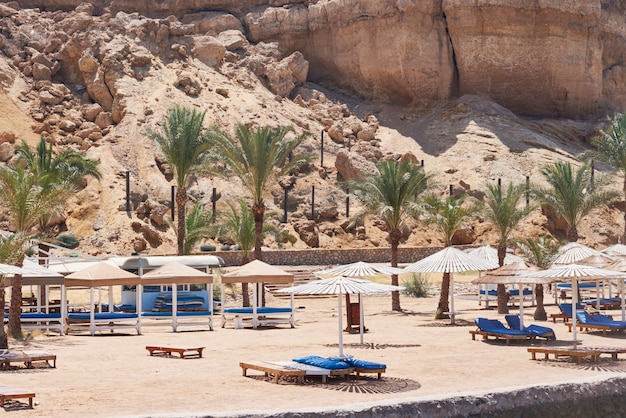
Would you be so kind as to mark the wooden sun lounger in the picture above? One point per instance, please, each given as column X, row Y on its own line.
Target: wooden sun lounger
column 593, row 327
column 182, row 352
column 561, row 315
column 27, row 357
column 274, row 370
column 9, row 392
column 497, row 336
column 41, row 355
column 358, row 371
column 578, row 353
column 613, row 351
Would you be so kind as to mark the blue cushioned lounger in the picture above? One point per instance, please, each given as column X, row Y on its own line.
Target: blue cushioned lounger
column 260, row 310
column 323, row 362
column 178, row 313
column 494, row 328
column 537, row 330
column 86, row 316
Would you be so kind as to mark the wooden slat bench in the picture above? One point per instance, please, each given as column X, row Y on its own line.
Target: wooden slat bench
column 578, row 353
column 613, row 351
column 40, row 355
column 182, row 352
column 9, row 392
column 274, row 370
column 27, row 357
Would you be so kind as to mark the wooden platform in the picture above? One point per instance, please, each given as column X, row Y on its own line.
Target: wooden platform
column 9, row 392
column 578, row 353
column 273, row 370
column 27, row 357
column 182, row 352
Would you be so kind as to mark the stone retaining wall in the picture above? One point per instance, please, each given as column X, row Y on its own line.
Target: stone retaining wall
column 599, row 398
column 323, row 257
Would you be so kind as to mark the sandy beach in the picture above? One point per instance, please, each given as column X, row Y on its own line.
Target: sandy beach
column 113, row 375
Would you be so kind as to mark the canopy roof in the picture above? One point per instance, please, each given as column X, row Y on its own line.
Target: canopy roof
column 257, row 271
column 175, row 272
column 340, row 285
column 514, row 273
column 450, row 260
column 487, row 252
column 576, row 271
column 573, row 252
column 359, row 269
column 102, row 274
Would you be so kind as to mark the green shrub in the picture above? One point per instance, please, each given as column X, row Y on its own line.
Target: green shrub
column 417, row 286
column 67, row 241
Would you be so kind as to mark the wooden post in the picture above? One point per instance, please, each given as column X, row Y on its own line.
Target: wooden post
column 172, row 201
column 347, row 203
column 128, row 192
column 451, row 187
column 527, row 191
column 312, row 203
column 214, row 204
column 321, row 151
column 285, row 207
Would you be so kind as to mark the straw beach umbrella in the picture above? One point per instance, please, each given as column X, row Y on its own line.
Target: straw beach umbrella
column 450, row 260
column 574, row 272
column 340, row 286
column 513, row 273
column 573, row 252
column 615, row 250
column 361, row 270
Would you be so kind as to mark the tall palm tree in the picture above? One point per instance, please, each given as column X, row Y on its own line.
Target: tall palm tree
column 504, row 211
column 392, row 195
column 184, row 146
column 258, row 157
column 26, row 202
column 12, row 249
column 448, row 215
column 609, row 147
column 571, row 193
column 541, row 252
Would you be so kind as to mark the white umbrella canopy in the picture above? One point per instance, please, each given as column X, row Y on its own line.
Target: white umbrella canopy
column 573, row 252
column 450, row 260
column 617, row 249
column 489, row 253
column 359, row 269
column 620, row 265
column 340, row 286
column 574, row 272
column 513, row 273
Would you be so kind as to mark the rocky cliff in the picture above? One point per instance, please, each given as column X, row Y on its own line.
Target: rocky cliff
column 549, row 58
column 423, row 80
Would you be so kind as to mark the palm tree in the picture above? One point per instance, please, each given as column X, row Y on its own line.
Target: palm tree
column 184, row 146
column 610, row 148
column 571, row 193
column 541, row 252
column 67, row 165
column 504, row 211
column 26, row 202
column 12, row 249
column 448, row 215
column 258, row 157
column 392, row 195
column 198, row 225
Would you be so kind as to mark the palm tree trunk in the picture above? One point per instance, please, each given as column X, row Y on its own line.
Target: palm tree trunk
column 444, row 297
column 395, row 295
column 540, row 312
column 258, row 209
column 244, row 286
column 503, row 298
column 4, row 340
column 572, row 234
column 15, row 323
column 181, row 200
column 624, row 189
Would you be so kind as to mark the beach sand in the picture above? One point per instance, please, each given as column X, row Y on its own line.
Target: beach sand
column 113, row 375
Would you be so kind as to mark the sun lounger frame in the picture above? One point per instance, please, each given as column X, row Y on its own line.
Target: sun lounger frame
column 195, row 352
column 269, row 318
column 42, row 321
column 498, row 336
column 105, row 324
column 293, row 369
column 27, row 357
column 594, row 327
column 10, row 392
column 182, row 318
column 578, row 353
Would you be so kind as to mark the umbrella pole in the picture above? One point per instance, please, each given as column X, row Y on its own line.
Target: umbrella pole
column 174, row 306
column 339, row 314
column 92, row 314
column 452, row 312
column 521, row 307
column 574, row 303
column 622, row 296
column 361, row 326
column 138, row 307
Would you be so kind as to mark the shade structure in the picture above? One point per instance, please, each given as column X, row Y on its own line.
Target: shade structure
column 620, row 265
column 573, row 252
column 359, row 269
column 450, row 260
column 513, row 273
column 257, row 271
column 11, row 270
column 489, row 253
column 175, row 272
column 617, row 249
column 574, row 272
column 340, row 286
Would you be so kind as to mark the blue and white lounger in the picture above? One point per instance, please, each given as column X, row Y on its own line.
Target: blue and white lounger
column 266, row 315
column 104, row 321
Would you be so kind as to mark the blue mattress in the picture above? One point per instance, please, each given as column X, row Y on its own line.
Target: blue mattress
column 86, row 316
column 35, row 315
column 365, row 365
column 179, row 313
column 259, row 310
column 326, row 363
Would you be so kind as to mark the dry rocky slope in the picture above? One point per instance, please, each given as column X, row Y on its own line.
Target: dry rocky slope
column 479, row 93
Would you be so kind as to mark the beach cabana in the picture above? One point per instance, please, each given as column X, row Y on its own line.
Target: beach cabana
column 180, row 306
column 103, row 274
column 257, row 272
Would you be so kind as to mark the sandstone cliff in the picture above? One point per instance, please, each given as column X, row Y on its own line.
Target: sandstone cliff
column 96, row 76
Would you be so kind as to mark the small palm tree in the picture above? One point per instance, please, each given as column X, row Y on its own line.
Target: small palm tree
column 26, row 202
column 198, row 225
column 258, row 157
column 541, row 252
column 504, row 210
column 392, row 195
column 571, row 193
column 184, row 146
column 448, row 215
column 609, row 147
